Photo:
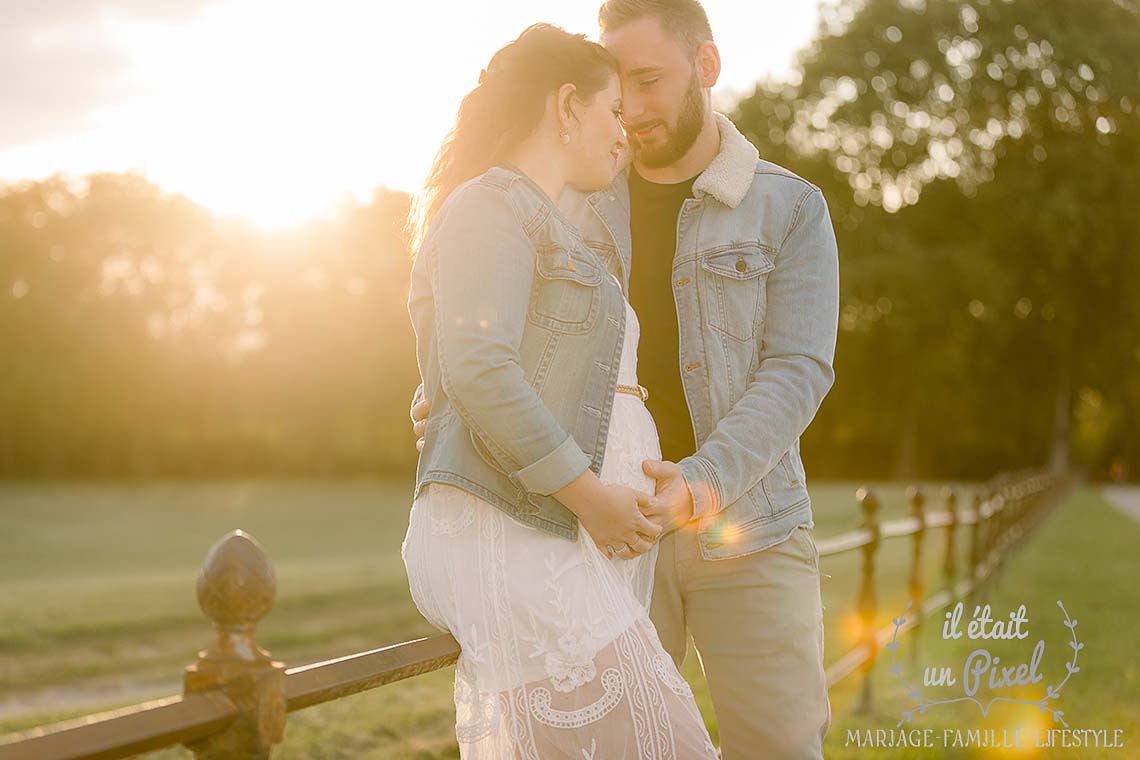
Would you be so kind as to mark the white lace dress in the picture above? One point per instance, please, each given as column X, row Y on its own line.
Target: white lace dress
column 559, row 658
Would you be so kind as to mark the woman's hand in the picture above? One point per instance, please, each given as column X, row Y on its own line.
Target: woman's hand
column 630, row 532
column 611, row 514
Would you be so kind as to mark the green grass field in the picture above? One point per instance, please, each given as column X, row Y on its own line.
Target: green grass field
column 98, row 606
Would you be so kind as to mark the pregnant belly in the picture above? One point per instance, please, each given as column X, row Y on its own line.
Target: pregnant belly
column 632, row 438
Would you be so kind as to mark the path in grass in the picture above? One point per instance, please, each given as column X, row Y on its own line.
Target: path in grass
column 1124, row 498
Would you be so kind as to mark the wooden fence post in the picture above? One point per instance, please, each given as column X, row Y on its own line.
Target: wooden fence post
column 236, row 589
column 868, row 604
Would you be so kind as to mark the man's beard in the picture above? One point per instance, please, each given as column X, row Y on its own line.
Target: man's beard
column 679, row 139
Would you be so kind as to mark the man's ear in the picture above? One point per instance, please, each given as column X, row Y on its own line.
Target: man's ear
column 708, row 63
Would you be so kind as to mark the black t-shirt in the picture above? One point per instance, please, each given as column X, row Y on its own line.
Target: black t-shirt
column 654, row 209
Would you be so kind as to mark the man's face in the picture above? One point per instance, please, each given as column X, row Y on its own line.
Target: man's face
column 662, row 99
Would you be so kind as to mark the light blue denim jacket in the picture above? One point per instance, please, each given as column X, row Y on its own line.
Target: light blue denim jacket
column 518, row 333
column 756, row 285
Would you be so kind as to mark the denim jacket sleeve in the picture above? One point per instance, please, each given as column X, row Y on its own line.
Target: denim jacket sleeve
column 795, row 371
column 481, row 263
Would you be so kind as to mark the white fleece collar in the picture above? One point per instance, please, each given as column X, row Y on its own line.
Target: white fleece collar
column 729, row 176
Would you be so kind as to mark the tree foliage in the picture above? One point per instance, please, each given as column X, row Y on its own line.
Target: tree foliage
column 982, row 161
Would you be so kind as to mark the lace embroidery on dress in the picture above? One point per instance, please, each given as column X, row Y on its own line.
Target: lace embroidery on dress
column 667, row 672
column 445, row 526
column 480, row 714
column 570, row 662
column 540, row 704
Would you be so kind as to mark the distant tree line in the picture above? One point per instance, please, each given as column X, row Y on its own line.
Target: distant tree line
column 143, row 336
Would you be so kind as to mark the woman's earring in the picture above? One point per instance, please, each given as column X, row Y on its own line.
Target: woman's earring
column 565, row 136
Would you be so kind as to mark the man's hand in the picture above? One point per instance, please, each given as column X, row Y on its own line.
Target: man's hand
column 419, row 421
column 672, row 505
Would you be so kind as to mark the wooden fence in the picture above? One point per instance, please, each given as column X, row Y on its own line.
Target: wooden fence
column 236, row 696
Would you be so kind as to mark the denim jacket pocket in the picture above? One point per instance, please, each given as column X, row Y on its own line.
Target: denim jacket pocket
column 734, row 279
column 607, row 255
column 565, row 295
column 793, row 465
column 806, row 550
column 485, row 453
column 785, row 486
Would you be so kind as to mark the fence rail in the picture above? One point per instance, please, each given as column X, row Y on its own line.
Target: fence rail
column 236, row 696
column 1003, row 514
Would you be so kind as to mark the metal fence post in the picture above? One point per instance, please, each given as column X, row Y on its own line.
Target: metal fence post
column 236, row 589
column 916, row 586
column 950, row 558
column 995, row 534
column 867, row 603
column 976, row 538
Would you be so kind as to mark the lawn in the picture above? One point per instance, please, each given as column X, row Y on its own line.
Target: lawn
column 98, row 606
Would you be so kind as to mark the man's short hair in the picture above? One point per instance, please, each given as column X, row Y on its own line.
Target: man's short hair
column 685, row 20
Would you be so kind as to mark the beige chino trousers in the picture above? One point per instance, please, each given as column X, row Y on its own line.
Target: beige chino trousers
column 757, row 626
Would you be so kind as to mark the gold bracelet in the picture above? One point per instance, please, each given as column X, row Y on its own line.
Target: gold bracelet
column 636, row 390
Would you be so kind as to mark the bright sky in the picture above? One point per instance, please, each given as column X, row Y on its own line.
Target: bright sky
column 276, row 111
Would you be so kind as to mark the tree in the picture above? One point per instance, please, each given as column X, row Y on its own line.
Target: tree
column 982, row 161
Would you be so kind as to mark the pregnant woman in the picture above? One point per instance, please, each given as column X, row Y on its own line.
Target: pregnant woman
column 526, row 538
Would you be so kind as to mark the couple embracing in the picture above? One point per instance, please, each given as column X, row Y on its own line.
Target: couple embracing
column 625, row 319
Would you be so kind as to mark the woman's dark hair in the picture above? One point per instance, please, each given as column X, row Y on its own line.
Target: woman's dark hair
column 506, row 108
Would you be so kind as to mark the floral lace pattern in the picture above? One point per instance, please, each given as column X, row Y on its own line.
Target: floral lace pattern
column 454, row 525
column 667, row 672
column 558, row 655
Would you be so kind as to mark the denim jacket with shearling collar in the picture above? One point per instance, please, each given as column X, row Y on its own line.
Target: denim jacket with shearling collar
column 755, row 280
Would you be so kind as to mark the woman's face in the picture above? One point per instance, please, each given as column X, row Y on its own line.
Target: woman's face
column 597, row 140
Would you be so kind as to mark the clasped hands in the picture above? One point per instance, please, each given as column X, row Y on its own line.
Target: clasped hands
column 622, row 521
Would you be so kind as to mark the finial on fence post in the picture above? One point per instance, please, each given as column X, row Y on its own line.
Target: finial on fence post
column 917, row 502
column 867, row 602
column 236, row 589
